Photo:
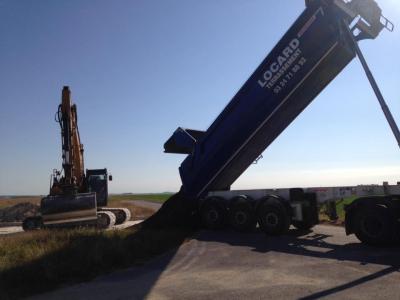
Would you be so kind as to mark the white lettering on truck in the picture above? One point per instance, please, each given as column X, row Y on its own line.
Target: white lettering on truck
column 280, row 61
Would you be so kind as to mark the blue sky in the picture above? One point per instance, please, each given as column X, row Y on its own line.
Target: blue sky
column 139, row 69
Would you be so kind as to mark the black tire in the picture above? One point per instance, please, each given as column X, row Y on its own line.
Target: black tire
column 213, row 215
column 302, row 225
column 273, row 217
column 374, row 225
column 242, row 216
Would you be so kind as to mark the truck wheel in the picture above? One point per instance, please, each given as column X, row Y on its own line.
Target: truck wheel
column 212, row 215
column 302, row 225
column 273, row 217
column 374, row 225
column 241, row 215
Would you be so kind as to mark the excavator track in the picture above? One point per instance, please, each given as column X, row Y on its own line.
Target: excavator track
column 122, row 215
column 105, row 219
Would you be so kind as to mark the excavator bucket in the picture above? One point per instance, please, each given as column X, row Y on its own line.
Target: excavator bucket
column 78, row 209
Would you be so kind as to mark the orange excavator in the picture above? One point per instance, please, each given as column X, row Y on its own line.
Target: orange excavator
column 76, row 197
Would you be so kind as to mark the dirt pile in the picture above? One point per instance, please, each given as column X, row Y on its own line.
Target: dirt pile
column 175, row 212
column 18, row 212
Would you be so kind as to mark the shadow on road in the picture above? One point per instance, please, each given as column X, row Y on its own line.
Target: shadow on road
column 351, row 284
column 308, row 243
column 137, row 282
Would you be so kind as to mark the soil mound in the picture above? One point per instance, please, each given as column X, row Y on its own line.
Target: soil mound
column 175, row 212
column 18, row 212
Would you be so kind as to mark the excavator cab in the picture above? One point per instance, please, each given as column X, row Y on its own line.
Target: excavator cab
column 97, row 182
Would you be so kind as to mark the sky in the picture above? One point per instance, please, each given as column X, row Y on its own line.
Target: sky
column 139, row 69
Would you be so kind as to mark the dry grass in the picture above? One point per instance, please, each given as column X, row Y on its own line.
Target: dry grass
column 160, row 198
column 138, row 212
column 40, row 261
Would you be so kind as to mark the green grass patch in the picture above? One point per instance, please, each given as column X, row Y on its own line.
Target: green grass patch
column 340, row 205
column 159, row 198
column 39, row 261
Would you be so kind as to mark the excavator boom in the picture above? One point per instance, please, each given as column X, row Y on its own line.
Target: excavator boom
column 72, row 149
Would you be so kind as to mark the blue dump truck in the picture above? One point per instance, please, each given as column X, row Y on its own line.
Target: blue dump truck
column 317, row 47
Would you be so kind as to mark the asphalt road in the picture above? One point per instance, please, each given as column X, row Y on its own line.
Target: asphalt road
column 227, row 265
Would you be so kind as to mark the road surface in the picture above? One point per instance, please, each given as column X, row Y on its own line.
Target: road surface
column 228, row 265
column 10, row 229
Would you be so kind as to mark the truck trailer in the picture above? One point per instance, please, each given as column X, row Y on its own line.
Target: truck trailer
column 316, row 48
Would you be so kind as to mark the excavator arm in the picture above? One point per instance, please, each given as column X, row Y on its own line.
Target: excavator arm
column 72, row 148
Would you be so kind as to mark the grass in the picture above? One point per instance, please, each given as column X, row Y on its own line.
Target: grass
column 40, row 261
column 159, row 198
column 340, row 204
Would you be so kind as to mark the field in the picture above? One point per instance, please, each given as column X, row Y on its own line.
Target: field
column 113, row 198
column 340, row 205
column 138, row 212
column 39, row 261
column 159, row 198
column 42, row 260
column 6, row 202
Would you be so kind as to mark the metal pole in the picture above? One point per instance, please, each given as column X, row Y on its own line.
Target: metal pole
column 375, row 87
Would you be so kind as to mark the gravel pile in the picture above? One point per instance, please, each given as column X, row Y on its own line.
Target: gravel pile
column 18, row 212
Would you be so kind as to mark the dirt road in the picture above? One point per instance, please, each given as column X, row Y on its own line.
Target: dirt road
column 10, row 229
column 228, row 265
column 15, row 228
column 144, row 203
